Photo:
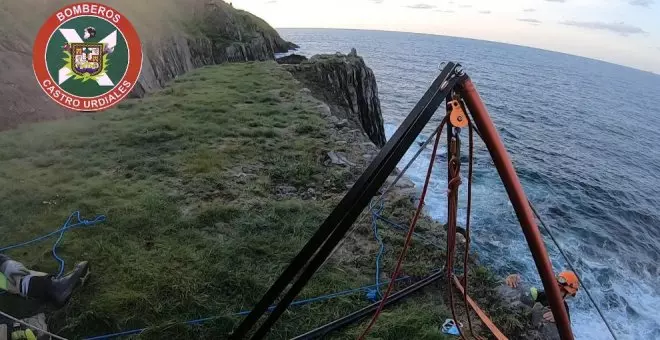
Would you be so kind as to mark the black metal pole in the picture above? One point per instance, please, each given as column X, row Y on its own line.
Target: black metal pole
column 342, row 217
column 366, row 193
column 357, row 315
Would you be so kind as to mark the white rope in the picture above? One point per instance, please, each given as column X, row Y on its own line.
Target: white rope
column 31, row 327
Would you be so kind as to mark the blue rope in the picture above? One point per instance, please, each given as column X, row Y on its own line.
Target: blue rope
column 80, row 222
column 295, row 303
column 373, row 291
column 374, row 294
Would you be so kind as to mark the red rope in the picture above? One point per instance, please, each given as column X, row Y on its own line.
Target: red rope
column 467, row 228
column 411, row 230
column 452, row 202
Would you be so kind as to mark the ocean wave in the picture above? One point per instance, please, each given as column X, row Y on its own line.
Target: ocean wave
column 593, row 176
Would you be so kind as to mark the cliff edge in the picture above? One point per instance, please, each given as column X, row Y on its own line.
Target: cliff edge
column 349, row 87
column 217, row 34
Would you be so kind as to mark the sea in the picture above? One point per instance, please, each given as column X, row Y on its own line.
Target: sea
column 584, row 137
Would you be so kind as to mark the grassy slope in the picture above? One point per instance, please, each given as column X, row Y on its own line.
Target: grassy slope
column 188, row 178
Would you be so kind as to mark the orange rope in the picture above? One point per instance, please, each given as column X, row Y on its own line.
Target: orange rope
column 411, row 230
column 452, row 205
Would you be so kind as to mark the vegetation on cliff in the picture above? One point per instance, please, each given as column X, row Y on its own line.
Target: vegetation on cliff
column 210, row 187
column 349, row 85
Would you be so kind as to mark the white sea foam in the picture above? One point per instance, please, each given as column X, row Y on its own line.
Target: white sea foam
column 489, row 200
column 565, row 168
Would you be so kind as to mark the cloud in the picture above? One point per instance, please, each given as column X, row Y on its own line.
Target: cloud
column 421, row 6
column 465, row 6
column 616, row 27
column 555, row 0
column 377, row 1
column 528, row 10
column 642, row 3
column 444, row 11
column 485, row 12
column 270, row 2
column 529, row 20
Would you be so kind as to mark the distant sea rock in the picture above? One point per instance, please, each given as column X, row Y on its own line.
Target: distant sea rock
column 291, row 59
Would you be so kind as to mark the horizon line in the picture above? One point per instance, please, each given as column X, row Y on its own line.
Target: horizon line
column 478, row 39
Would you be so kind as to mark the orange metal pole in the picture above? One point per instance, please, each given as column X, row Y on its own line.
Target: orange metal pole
column 520, row 204
column 480, row 313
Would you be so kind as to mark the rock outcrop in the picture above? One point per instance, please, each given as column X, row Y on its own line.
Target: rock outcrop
column 348, row 86
column 218, row 35
column 221, row 34
column 291, row 59
column 177, row 36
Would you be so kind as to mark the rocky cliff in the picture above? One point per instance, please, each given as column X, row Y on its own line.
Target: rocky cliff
column 218, row 34
column 177, row 36
column 349, row 87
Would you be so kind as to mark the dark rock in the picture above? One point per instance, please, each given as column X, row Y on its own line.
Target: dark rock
column 337, row 158
column 291, row 59
column 519, row 299
column 348, row 86
column 285, row 191
column 309, row 194
column 402, row 183
column 227, row 35
column 459, row 229
column 547, row 330
column 342, row 123
column 324, row 109
column 334, row 120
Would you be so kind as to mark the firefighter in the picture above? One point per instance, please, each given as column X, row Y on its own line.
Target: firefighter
column 521, row 295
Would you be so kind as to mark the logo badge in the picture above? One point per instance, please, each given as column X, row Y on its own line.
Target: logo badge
column 87, row 57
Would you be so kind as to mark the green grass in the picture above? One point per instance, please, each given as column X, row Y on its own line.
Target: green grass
column 188, row 179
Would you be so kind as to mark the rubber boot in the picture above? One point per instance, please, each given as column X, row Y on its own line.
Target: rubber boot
column 61, row 289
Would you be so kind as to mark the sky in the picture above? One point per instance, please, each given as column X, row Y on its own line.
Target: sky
column 624, row 32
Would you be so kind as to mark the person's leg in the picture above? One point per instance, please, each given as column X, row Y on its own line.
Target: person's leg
column 28, row 283
column 16, row 276
column 4, row 283
column 61, row 289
